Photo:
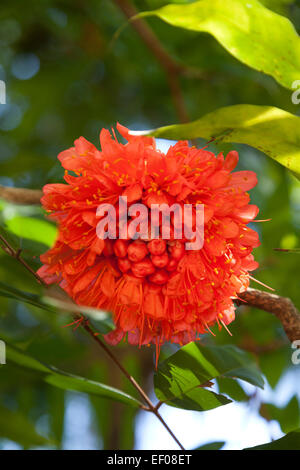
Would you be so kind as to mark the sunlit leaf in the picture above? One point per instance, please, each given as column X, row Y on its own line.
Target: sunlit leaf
column 253, row 34
column 32, row 228
column 271, row 130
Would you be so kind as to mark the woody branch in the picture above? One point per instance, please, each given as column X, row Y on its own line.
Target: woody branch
column 282, row 307
column 21, row 195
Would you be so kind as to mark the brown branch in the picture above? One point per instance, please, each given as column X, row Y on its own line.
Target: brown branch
column 172, row 68
column 17, row 255
column 21, row 195
column 150, row 39
column 85, row 324
column 282, row 307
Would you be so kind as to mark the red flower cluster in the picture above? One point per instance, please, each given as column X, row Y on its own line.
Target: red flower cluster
column 156, row 290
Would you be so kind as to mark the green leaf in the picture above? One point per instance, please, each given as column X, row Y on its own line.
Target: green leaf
column 180, row 379
column 271, row 130
column 32, row 228
column 66, row 381
column 56, row 404
column 16, row 427
column 211, row 446
column 199, row 399
column 273, row 364
column 231, row 388
column 290, row 441
column 256, row 36
column 288, row 417
column 30, row 249
column 24, row 360
column 280, row 6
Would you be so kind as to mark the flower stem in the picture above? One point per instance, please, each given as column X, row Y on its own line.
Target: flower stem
column 150, row 406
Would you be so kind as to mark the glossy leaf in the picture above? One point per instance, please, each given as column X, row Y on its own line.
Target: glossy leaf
column 67, row 381
column 252, row 33
column 198, row 399
column 290, row 441
column 232, row 389
column 271, row 130
column 180, row 379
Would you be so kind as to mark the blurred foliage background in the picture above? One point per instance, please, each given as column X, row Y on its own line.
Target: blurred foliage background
column 67, row 75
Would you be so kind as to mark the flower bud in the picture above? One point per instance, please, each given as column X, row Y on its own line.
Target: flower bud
column 159, row 277
column 157, row 246
column 143, row 268
column 160, row 261
column 124, row 264
column 137, row 251
column 120, row 248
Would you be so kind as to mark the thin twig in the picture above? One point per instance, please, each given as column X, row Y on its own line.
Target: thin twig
column 153, row 43
column 16, row 254
column 172, row 68
column 151, row 406
column 158, row 405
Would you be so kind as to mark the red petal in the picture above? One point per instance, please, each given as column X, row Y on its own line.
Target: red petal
column 243, row 180
column 231, row 160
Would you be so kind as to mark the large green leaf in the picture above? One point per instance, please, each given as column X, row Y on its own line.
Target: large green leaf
column 253, row 34
column 180, row 379
column 198, row 399
column 232, row 389
column 16, row 427
column 271, row 130
column 32, row 228
column 66, row 381
column 290, row 441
